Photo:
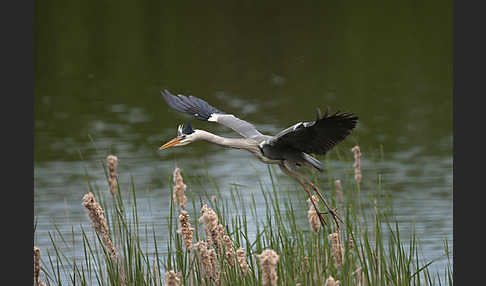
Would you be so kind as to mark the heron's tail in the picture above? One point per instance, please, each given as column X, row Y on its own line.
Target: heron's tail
column 313, row 162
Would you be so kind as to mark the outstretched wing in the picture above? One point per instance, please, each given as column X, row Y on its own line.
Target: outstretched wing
column 316, row 137
column 203, row 111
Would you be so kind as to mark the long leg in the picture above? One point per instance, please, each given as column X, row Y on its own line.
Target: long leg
column 335, row 217
column 295, row 176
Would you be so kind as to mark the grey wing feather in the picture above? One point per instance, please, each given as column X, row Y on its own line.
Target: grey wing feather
column 244, row 128
column 203, row 111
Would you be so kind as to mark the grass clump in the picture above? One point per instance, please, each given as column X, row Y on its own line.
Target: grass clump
column 226, row 238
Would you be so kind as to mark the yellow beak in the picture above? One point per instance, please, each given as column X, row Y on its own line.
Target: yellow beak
column 171, row 143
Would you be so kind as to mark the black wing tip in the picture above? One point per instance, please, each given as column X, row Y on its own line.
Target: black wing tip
column 344, row 121
column 187, row 128
column 168, row 97
column 338, row 115
column 165, row 92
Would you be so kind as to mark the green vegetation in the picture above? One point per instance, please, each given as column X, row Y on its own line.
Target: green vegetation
column 373, row 251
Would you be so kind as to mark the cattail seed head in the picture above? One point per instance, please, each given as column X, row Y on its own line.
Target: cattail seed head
column 351, row 243
column 339, row 190
column 220, row 230
column 230, row 252
column 312, row 214
column 172, row 278
column 241, row 258
column 36, row 265
column 179, row 195
column 202, row 248
column 306, row 263
column 331, row 282
column 268, row 264
column 208, row 260
column 337, row 252
column 185, row 229
column 357, row 163
column 95, row 213
column 210, row 220
column 358, row 273
column 208, row 217
column 225, row 240
column 112, row 164
column 214, row 262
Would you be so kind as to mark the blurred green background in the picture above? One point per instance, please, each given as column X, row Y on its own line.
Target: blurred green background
column 100, row 65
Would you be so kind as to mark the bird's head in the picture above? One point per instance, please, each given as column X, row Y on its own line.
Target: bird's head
column 185, row 135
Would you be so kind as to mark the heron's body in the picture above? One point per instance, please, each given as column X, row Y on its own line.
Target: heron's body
column 290, row 148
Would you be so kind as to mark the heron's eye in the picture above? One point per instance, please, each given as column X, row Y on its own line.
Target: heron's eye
column 183, row 137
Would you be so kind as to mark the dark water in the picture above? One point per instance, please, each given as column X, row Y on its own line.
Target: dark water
column 99, row 67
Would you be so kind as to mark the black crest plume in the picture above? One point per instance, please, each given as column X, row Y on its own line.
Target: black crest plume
column 185, row 129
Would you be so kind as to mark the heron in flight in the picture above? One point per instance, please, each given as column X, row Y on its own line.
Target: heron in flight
column 290, row 149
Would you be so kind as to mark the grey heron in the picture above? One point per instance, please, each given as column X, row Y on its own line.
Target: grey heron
column 290, row 149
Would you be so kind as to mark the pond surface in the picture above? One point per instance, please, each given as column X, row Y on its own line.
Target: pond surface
column 99, row 70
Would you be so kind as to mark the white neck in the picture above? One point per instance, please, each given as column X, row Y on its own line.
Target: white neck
column 236, row 143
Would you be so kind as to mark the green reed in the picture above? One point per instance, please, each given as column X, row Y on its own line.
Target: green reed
column 374, row 252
